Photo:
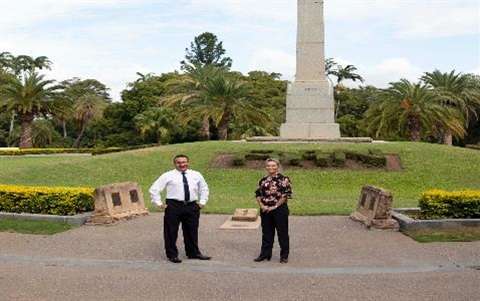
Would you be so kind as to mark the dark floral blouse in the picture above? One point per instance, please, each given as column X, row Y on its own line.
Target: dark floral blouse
column 271, row 189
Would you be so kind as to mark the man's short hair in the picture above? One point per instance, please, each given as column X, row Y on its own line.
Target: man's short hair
column 180, row 156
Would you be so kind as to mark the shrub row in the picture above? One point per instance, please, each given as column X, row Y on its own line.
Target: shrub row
column 373, row 158
column 437, row 203
column 51, row 151
column 46, row 200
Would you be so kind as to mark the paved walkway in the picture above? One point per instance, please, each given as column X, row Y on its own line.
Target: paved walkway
column 332, row 258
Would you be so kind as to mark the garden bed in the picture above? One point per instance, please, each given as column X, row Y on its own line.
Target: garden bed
column 408, row 223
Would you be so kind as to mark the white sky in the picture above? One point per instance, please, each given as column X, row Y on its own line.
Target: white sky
column 111, row 40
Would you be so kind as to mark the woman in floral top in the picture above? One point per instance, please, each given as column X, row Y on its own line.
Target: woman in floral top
column 272, row 194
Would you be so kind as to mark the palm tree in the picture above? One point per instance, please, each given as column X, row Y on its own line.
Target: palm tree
column 28, row 98
column 186, row 88
column 144, row 77
column 227, row 101
column 343, row 74
column 214, row 97
column 157, row 120
column 413, row 109
column 18, row 66
column 457, row 91
column 23, row 63
column 87, row 108
column 43, row 133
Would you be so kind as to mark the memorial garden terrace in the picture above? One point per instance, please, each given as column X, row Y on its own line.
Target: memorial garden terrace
column 332, row 191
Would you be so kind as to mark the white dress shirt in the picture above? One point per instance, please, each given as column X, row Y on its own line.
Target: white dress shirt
column 173, row 181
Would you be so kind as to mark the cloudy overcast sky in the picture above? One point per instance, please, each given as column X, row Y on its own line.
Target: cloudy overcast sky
column 111, row 40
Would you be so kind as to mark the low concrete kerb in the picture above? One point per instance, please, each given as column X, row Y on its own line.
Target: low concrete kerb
column 408, row 224
column 277, row 139
column 74, row 220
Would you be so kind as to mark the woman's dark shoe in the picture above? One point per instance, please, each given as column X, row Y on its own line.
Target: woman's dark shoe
column 283, row 260
column 175, row 260
column 262, row 258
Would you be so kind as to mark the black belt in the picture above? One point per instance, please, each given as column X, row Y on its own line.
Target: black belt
column 270, row 204
column 182, row 201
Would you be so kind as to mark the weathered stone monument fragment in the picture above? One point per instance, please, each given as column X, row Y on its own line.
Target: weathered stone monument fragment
column 310, row 105
column 117, row 202
column 243, row 219
column 374, row 209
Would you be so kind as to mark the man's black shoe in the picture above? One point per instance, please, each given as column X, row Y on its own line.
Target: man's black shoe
column 262, row 258
column 199, row 256
column 284, row 260
column 175, row 260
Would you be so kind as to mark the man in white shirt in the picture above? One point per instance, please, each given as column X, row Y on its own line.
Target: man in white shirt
column 187, row 193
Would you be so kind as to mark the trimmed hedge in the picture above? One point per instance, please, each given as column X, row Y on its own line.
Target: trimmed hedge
column 437, row 203
column 51, row 151
column 239, row 160
column 295, row 159
column 371, row 159
column 46, row 200
column 321, row 159
column 338, row 158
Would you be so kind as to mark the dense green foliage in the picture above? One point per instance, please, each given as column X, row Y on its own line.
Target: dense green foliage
column 450, row 204
column 209, row 101
column 46, row 200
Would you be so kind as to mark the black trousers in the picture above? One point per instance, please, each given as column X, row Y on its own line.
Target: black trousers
column 276, row 220
column 188, row 214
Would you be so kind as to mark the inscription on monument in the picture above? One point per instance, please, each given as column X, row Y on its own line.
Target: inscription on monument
column 374, row 208
column 363, row 200
column 116, row 200
column 372, row 203
column 134, row 196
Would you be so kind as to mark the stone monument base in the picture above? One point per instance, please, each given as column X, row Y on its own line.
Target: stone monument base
column 276, row 139
column 381, row 224
column 310, row 130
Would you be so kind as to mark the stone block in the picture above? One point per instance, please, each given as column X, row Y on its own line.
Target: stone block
column 309, row 130
column 116, row 202
column 310, row 116
column 374, row 209
column 242, row 219
column 245, row 215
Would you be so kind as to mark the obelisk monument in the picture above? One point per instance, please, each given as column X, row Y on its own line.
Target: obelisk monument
column 310, row 106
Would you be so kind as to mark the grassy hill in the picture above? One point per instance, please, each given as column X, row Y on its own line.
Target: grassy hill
column 332, row 191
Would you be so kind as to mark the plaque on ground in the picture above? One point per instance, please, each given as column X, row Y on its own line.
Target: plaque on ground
column 243, row 219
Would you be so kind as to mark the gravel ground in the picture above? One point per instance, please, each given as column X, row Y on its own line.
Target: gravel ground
column 331, row 258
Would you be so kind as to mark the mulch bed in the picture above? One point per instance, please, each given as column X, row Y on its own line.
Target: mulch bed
column 225, row 160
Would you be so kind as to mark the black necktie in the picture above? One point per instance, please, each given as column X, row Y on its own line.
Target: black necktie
column 185, row 187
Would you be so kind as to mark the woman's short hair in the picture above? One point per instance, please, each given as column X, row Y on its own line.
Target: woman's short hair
column 272, row 160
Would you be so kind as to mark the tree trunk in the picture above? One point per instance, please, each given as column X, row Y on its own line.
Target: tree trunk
column 205, row 129
column 12, row 121
column 64, row 127
column 223, row 127
column 26, row 131
column 77, row 142
column 415, row 129
column 447, row 137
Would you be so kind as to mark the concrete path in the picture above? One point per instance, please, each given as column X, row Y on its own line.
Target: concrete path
column 332, row 258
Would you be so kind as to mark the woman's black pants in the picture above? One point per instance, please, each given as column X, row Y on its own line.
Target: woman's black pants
column 275, row 220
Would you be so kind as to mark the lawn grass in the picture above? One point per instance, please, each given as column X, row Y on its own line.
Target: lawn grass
column 316, row 192
column 445, row 235
column 33, row 226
